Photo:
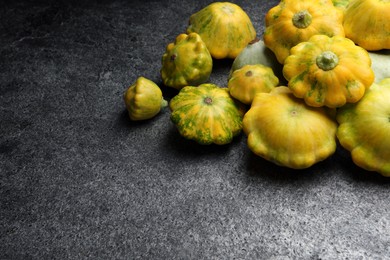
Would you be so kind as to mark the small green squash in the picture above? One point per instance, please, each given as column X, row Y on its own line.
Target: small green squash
column 207, row 114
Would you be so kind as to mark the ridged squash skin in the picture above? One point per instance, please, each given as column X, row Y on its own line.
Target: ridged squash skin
column 295, row 21
column 367, row 23
column 284, row 130
column 224, row 27
column 143, row 99
column 364, row 129
column 186, row 61
column 328, row 71
column 249, row 80
column 206, row 114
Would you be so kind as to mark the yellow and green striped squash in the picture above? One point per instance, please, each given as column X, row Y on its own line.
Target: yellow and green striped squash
column 206, row 114
column 224, row 27
column 186, row 61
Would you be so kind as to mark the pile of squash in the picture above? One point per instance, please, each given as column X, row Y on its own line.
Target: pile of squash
column 320, row 75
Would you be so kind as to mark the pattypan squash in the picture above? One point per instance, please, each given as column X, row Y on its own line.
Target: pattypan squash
column 257, row 53
column 295, row 21
column 367, row 23
column 284, row 130
column 380, row 64
column 207, row 114
column 328, row 71
column 364, row 129
column 143, row 99
column 249, row 80
column 186, row 61
column 224, row 27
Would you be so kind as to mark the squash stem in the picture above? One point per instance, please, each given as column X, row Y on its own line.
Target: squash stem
column 164, row 103
column 208, row 100
column 302, row 19
column 327, row 60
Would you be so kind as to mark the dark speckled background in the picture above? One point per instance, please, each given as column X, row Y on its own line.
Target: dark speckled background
column 79, row 180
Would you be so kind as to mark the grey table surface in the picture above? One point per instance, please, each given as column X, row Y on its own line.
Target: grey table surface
column 79, row 180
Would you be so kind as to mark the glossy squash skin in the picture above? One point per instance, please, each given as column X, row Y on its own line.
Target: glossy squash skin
column 224, row 27
column 367, row 23
column 186, row 61
column 364, row 129
column 295, row 21
column 143, row 99
column 284, row 130
column 328, row 71
column 206, row 114
column 249, row 80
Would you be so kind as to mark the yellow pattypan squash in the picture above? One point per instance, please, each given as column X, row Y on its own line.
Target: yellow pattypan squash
column 284, row 130
column 295, row 21
column 186, row 61
column 328, row 71
column 207, row 114
column 249, row 80
column 143, row 99
column 364, row 129
column 224, row 27
column 367, row 23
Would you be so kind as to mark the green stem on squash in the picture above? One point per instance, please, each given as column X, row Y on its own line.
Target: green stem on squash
column 164, row 103
column 327, row 60
column 302, row 19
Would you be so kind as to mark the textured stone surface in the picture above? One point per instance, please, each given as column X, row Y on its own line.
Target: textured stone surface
column 79, row 180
